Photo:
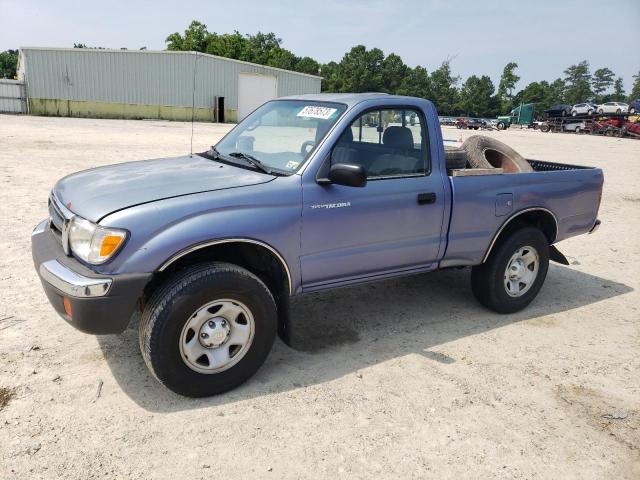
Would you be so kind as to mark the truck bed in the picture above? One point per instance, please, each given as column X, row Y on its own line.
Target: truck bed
column 483, row 203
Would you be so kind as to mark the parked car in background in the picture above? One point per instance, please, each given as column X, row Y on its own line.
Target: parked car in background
column 559, row 110
column 583, row 108
column 634, row 106
column 575, row 127
column 613, row 107
column 475, row 123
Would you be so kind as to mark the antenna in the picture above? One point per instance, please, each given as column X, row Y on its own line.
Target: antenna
column 193, row 99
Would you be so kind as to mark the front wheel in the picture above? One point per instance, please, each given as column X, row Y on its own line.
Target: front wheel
column 208, row 329
column 514, row 273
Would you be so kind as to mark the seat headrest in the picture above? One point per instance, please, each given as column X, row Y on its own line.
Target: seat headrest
column 398, row 137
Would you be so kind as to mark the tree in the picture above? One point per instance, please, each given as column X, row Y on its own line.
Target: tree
column 8, row 64
column 195, row 38
column 416, row 83
column 475, row 97
column 601, row 82
column 618, row 90
column 578, row 83
column 507, row 85
column 635, row 90
column 393, row 73
column 307, row 65
column 443, row 88
column 331, row 79
column 361, row 70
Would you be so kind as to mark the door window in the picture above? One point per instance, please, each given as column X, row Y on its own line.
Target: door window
column 388, row 143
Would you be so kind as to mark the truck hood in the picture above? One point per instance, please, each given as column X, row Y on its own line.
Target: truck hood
column 95, row 193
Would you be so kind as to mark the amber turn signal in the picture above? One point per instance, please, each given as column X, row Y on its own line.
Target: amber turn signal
column 110, row 244
column 67, row 306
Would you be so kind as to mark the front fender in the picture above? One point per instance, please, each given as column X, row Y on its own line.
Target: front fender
column 161, row 230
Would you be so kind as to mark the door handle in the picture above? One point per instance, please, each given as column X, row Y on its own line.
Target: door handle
column 425, row 198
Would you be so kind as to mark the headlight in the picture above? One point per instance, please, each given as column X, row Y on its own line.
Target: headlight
column 93, row 243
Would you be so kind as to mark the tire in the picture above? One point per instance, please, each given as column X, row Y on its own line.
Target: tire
column 172, row 310
column 600, row 111
column 545, row 127
column 618, row 111
column 501, row 126
column 492, row 282
column 589, row 112
column 486, row 152
column 574, row 113
column 632, row 110
column 455, row 158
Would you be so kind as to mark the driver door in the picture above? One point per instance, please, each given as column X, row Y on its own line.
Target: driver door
column 392, row 225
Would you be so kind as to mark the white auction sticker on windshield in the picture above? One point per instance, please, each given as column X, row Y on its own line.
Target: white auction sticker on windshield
column 313, row 111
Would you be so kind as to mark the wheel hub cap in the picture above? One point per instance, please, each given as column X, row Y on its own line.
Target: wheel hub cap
column 217, row 336
column 214, row 332
column 521, row 271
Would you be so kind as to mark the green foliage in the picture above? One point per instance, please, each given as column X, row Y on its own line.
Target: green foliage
column 635, row 90
column 618, row 90
column 8, row 64
column 443, row 89
column 261, row 48
column 601, row 82
column 507, row 85
column 476, row 97
column 578, row 83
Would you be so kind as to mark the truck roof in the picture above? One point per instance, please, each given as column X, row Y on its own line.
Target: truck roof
column 350, row 99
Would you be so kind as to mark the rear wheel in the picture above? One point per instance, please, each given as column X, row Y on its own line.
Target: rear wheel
column 514, row 273
column 208, row 329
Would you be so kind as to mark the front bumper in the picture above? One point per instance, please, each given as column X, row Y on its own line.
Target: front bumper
column 100, row 304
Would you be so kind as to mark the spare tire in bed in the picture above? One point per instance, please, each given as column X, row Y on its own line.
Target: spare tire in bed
column 486, row 152
column 455, row 158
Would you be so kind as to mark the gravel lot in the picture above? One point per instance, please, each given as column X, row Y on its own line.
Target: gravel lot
column 407, row 378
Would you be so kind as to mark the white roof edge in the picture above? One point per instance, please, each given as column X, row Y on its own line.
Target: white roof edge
column 175, row 52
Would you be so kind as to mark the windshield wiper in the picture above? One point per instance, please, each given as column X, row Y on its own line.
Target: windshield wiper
column 253, row 161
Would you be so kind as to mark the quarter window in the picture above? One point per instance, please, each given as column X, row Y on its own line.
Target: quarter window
column 386, row 142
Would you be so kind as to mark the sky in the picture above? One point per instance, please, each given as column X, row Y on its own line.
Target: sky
column 543, row 36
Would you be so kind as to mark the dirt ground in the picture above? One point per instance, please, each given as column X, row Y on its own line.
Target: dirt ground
column 407, row 378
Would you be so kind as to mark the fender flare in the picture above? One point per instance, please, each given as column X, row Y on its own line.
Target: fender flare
column 513, row 217
column 202, row 245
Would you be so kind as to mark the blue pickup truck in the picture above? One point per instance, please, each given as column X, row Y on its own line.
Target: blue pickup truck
column 307, row 193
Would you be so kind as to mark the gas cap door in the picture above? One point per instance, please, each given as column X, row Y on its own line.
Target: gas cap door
column 504, row 204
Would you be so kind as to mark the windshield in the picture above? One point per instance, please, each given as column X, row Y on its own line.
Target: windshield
column 280, row 134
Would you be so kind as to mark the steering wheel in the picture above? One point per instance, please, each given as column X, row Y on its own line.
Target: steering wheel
column 307, row 147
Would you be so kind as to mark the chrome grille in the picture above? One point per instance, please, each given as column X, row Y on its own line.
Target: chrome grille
column 55, row 216
column 59, row 217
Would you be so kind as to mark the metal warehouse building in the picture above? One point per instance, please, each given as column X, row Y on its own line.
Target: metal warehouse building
column 150, row 84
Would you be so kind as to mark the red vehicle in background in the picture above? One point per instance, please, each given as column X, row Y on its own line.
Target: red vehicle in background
column 616, row 127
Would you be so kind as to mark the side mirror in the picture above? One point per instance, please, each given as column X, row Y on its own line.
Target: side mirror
column 348, row 174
